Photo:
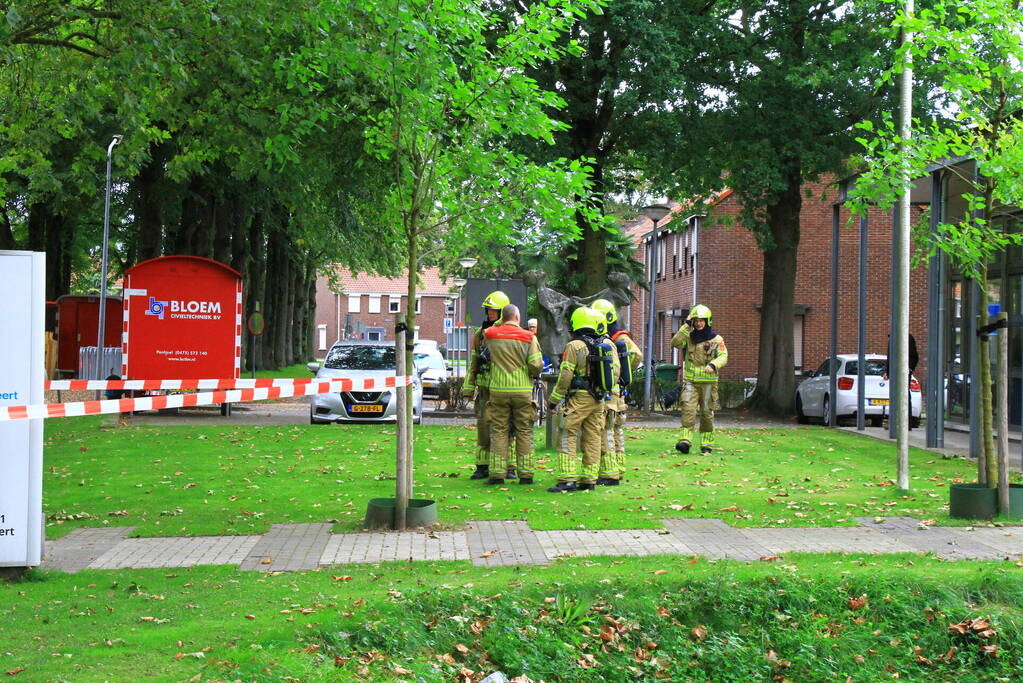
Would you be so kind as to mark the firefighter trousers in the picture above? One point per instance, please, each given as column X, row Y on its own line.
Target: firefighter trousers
column 612, row 451
column 583, row 419
column 511, row 409
column 699, row 400
column 482, row 426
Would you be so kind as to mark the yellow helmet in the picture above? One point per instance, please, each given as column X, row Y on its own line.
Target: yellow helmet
column 700, row 311
column 607, row 308
column 586, row 318
column 496, row 300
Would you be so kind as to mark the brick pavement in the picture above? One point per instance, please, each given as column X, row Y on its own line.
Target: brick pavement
column 297, row 547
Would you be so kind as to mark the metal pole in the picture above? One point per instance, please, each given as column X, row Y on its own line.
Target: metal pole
column 893, row 322
column 901, row 331
column 935, row 328
column 103, row 265
column 649, row 360
column 976, row 448
column 861, row 398
column 833, row 350
column 1002, row 404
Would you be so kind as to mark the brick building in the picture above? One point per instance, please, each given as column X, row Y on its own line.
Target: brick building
column 367, row 307
column 711, row 252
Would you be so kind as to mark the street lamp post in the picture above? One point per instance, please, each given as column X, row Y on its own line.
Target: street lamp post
column 103, row 265
column 655, row 212
column 466, row 262
column 459, row 282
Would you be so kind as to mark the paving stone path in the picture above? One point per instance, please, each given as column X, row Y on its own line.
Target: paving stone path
column 296, row 547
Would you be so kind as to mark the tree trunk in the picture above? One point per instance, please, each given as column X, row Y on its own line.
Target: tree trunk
column 255, row 272
column 987, row 466
column 7, row 240
column 226, row 213
column 148, row 208
column 53, row 234
column 775, row 373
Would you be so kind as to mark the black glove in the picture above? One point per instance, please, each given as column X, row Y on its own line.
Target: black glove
column 552, row 406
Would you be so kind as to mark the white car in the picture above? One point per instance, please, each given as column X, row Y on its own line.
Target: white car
column 359, row 360
column 813, row 398
column 433, row 369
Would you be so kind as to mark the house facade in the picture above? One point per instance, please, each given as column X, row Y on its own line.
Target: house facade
column 367, row 307
column 705, row 255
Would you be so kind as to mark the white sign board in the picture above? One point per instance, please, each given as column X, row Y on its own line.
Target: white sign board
column 22, row 370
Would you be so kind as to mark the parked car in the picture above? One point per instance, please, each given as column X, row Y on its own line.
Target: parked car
column 813, row 398
column 435, row 370
column 360, row 360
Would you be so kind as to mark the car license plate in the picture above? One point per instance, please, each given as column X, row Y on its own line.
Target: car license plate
column 878, row 401
column 369, row 408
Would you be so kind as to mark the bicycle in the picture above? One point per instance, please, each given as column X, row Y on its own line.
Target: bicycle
column 540, row 401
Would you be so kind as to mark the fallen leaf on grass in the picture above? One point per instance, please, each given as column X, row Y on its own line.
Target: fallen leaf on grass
column 677, row 507
column 15, row 672
column 341, row 578
column 660, row 571
column 698, row 633
column 401, row 671
column 857, row 603
column 488, row 553
column 662, row 612
column 769, row 558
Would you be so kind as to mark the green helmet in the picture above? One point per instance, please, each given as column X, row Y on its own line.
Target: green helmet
column 586, row 318
column 700, row 311
column 607, row 308
column 496, row 300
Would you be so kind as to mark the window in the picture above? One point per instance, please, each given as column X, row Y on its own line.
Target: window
column 394, row 304
column 419, row 305
column 449, row 307
column 354, row 303
column 322, row 335
column 870, row 367
column 374, row 334
column 374, row 303
column 361, row 357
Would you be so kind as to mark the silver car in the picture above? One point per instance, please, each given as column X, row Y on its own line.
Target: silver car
column 358, row 361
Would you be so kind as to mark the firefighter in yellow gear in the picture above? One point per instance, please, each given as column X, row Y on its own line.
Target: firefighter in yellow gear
column 583, row 412
column 477, row 381
column 704, row 354
column 612, row 446
column 515, row 361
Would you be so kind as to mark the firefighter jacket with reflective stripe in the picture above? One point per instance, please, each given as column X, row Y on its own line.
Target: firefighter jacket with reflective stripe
column 573, row 375
column 515, row 358
column 698, row 355
column 479, row 376
column 635, row 355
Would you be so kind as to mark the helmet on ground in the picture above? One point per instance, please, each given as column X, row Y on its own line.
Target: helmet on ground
column 607, row 308
column 700, row 311
column 586, row 318
column 496, row 300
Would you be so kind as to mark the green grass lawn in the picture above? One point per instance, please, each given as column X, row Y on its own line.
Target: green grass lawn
column 171, row 481
column 822, row 618
column 297, row 370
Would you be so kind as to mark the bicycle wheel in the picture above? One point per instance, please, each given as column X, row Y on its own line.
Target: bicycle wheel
column 540, row 399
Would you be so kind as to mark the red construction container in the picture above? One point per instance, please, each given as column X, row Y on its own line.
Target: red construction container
column 182, row 320
column 78, row 326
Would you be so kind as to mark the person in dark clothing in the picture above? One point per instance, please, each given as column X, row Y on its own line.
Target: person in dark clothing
column 914, row 355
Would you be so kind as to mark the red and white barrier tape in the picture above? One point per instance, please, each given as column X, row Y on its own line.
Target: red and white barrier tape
column 285, row 389
column 211, row 384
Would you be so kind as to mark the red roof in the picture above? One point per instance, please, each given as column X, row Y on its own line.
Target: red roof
column 363, row 283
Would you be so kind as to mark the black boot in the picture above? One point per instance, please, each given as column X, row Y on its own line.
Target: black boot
column 493, row 482
column 682, row 447
column 525, row 480
column 607, row 481
column 482, row 472
column 585, row 487
column 510, row 474
column 563, row 487
column 706, row 450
